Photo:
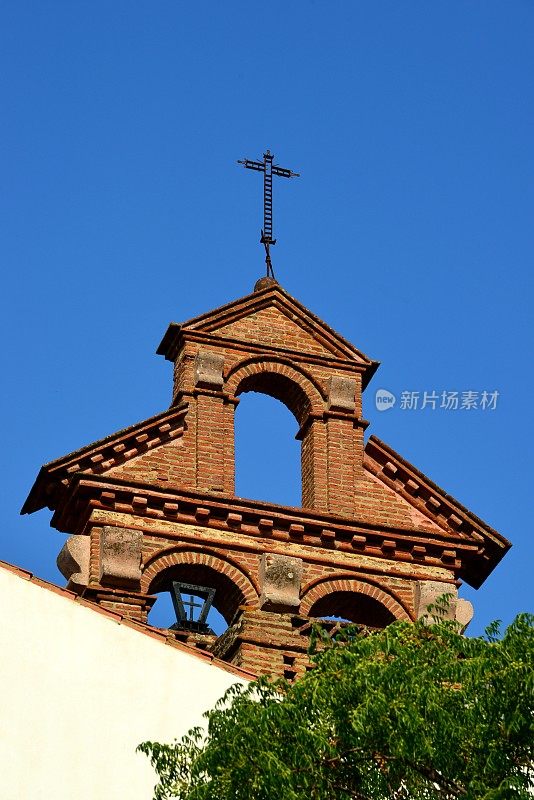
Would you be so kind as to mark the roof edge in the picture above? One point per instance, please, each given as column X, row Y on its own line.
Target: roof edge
column 37, row 497
column 480, row 530
column 146, row 630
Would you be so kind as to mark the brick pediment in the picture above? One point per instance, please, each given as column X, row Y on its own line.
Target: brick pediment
column 436, row 508
column 272, row 326
column 274, row 319
column 110, row 454
column 381, row 504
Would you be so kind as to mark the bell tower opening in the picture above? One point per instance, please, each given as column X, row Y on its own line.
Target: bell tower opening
column 187, row 579
column 353, row 607
column 267, row 455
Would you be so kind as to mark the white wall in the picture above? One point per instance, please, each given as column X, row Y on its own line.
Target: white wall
column 79, row 692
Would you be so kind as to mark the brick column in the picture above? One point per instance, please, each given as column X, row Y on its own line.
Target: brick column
column 214, row 418
column 265, row 643
column 341, row 464
column 230, row 405
column 210, row 441
column 344, row 449
column 332, row 450
column 314, row 464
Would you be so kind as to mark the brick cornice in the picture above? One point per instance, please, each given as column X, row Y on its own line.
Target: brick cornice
column 265, row 521
column 253, row 348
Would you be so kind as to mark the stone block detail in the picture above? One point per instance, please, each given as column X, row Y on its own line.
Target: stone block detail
column 209, row 370
column 342, row 393
column 280, row 578
column 464, row 612
column 120, row 556
column 426, row 594
column 73, row 560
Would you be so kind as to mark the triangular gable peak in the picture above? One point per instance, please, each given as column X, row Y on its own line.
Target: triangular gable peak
column 435, row 504
column 273, row 318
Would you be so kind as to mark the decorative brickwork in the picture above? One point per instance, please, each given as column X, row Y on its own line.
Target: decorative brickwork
column 374, row 540
column 203, row 567
column 330, row 596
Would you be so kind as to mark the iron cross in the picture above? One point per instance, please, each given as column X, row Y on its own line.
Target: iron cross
column 268, row 170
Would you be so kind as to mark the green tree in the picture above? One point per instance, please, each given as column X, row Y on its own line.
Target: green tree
column 415, row 712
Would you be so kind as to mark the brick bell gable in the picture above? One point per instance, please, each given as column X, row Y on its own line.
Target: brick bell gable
column 374, row 539
column 270, row 317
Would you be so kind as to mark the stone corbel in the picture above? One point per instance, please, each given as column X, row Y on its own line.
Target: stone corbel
column 120, row 556
column 73, row 560
column 342, row 394
column 280, row 579
column 209, row 370
column 464, row 612
column 426, row 594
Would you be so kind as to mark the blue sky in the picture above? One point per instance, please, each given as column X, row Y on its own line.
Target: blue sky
column 409, row 231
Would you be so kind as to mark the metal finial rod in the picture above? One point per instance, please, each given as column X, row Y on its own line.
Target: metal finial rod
column 268, row 170
column 268, row 262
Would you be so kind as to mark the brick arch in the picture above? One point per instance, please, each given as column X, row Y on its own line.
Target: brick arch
column 233, row 587
column 346, row 585
column 295, row 388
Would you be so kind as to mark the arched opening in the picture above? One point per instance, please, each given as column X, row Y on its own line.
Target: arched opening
column 281, row 387
column 301, row 395
column 228, row 596
column 353, row 607
column 267, row 455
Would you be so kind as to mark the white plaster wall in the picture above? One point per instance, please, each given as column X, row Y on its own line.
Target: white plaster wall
column 79, row 692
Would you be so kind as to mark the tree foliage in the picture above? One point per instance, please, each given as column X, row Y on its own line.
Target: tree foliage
column 414, row 712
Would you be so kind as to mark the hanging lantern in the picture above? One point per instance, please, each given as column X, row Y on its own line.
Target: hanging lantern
column 191, row 614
